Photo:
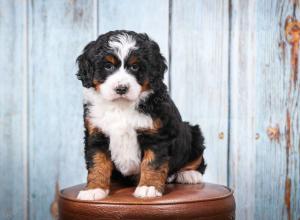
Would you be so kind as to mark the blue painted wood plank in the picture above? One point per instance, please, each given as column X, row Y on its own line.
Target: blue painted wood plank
column 242, row 156
column 277, row 119
column 148, row 16
column 265, row 113
column 58, row 32
column 199, row 78
column 13, row 114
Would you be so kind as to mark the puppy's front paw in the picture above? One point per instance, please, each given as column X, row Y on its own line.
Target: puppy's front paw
column 146, row 192
column 92, row 194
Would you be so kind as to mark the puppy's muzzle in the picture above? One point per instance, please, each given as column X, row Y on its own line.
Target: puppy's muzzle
column 121, row 89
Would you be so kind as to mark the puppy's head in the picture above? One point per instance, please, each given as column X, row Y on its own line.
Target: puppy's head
column 122, row 65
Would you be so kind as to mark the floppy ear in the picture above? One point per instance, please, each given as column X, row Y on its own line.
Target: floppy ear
column 85, row 66
column 158, row 66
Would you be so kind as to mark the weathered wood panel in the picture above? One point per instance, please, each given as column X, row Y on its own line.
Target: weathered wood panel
column 277, row 114
column 199, row 78
column 58, row 32
column 242, row 157
column 148, row 16
column 13, row 110
column 264, row 142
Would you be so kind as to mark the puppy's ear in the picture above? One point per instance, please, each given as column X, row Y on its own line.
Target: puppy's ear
column 158, row 66
column 158, row 61
column 85, row 66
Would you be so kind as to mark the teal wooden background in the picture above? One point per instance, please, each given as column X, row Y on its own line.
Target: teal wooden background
column 230, row 70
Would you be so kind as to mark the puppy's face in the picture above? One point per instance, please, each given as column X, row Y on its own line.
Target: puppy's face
column 121, row 65
column 121, row 73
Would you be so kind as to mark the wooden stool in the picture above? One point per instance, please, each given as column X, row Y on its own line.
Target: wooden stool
column 180, row 201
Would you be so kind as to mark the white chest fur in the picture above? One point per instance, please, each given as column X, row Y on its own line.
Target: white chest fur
column 119, row 120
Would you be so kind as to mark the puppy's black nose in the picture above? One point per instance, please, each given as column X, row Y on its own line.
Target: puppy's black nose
column 121, row 89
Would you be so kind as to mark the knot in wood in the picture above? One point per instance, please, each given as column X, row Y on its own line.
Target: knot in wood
column 273, row 133
column 292, row 30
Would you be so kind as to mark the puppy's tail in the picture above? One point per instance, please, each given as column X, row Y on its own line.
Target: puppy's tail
column 198, row 146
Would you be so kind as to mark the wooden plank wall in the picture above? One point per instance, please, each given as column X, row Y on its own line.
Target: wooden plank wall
column 264, row 111
column 13, row 110
column 242, row 141
column 277, row 112
column 230, row 70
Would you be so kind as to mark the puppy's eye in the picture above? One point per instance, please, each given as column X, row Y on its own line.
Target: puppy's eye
column 134, row 67
column 109, row 66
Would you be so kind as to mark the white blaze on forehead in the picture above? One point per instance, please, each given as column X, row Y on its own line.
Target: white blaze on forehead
column 122, row 44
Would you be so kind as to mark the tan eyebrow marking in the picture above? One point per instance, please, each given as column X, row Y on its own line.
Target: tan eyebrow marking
column 132, row 60
column 111, row 59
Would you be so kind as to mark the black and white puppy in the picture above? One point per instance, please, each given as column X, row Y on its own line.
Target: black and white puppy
column 133, row 130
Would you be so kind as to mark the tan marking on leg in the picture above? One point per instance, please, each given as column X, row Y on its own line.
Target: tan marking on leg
column 193, row 165
column 100, row 173
column 148, row 156
column 151, row 176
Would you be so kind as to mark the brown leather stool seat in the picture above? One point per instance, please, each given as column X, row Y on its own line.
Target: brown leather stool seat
column 201, row 201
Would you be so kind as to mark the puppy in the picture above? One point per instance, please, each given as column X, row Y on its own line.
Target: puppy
column 133, row 130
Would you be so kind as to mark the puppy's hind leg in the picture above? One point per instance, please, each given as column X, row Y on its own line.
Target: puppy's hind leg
column 192, row 172
column 189, row 177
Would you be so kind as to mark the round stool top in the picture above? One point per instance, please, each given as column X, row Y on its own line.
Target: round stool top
column 180, row 201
